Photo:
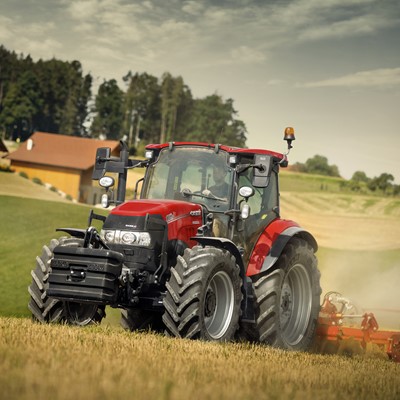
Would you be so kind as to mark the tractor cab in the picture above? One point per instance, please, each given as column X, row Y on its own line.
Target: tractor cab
column 237, row 190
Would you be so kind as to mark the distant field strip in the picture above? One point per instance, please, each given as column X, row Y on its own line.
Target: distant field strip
column 340, row 204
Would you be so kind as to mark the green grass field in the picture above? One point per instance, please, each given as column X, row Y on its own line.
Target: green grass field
column 26, row 225
column 62, row 362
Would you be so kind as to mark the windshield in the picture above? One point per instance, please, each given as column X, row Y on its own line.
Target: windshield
column 198, row 175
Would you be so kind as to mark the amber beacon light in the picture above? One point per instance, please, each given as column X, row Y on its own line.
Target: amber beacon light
column 289, row 136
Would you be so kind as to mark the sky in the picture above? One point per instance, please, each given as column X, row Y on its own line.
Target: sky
column 328, row 68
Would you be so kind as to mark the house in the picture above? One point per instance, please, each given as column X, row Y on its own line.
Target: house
column 65, row 162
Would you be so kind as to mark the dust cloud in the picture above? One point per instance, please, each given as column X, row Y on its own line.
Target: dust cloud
column 369, row 279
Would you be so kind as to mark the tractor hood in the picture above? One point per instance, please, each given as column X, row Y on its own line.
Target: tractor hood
column 182, row 218
column 169, row 210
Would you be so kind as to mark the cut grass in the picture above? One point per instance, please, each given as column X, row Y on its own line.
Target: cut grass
column 61, row 362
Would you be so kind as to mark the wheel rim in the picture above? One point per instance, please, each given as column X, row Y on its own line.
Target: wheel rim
column 218, row 305
column 295, row 304
column 80, row 314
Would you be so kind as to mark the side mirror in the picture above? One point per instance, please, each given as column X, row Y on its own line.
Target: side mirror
column 262, row 170
column 102, row 155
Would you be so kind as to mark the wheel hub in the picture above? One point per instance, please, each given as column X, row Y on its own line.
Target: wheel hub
column 80, row 314
column 218, row 305
column 210, row 303
column 295, row 304
column 286, row 304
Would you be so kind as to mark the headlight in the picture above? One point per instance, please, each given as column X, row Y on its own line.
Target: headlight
column 126, row 237
column 144, row 239
column 109, row 236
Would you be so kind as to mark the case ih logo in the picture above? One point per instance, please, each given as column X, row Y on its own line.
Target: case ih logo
column 195, row 213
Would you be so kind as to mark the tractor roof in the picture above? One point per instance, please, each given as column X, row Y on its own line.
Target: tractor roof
column 228, row 149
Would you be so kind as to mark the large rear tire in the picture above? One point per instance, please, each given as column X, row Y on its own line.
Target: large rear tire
column 49, row 310
column 203, row 298
column 288, row 299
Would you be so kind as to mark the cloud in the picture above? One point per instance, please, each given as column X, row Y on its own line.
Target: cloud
column 311, row 20
column 5, row 27
column 361, row 25
column 245, row 54
column 192, row 7
column 83, row 9
column 203, row 34
column 382, row 77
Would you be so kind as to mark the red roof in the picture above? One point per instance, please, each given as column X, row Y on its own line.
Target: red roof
column 60, row 150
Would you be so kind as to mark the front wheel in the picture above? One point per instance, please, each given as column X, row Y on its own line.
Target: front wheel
column 136, row 319
column 47, row 309
column 288, row 299
column 203, row 298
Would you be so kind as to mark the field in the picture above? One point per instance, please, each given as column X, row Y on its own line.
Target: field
column 61, row 362
column 359, row 255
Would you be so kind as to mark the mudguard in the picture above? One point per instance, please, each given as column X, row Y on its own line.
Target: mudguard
column 271, row 243
column 223, row 244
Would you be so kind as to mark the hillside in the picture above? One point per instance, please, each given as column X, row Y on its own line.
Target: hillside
column 358, row 237
column 338, row 220
column 14, row 185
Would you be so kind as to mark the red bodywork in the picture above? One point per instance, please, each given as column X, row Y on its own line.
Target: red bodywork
column 265, row 242
column 228, row 149
column 183, row 218
column 331, row 328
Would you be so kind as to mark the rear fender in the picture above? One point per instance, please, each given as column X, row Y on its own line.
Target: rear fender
column 272, row 242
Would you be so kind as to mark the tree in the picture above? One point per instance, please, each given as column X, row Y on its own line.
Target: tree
column 173, row 94
column 382, row 182
column 142, row 108
column 66, row 93
column 360, row 176
column 21, row 106
column 319, row 165
column 109, row 109
column 214, row 120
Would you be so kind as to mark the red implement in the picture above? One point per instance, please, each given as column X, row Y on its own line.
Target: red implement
column 343, row 330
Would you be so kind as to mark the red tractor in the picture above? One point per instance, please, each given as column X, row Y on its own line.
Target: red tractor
column 202, row 254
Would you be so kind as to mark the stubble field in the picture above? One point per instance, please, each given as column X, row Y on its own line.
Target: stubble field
column 359, row 255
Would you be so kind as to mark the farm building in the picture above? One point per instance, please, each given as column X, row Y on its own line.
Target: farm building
column 65, row 162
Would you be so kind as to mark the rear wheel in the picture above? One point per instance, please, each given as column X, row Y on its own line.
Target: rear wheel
column 288, row 299
column 47, row 309
column 203, row 296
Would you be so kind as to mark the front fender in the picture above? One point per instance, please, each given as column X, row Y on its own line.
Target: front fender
column 272, row 242
column 222, row 243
